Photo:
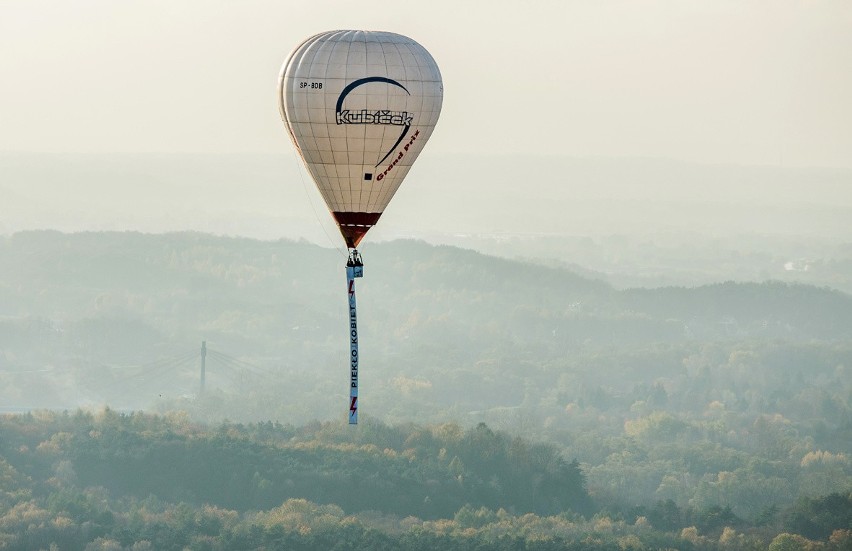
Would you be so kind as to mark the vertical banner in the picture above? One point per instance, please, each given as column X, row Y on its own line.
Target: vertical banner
column 351, row 273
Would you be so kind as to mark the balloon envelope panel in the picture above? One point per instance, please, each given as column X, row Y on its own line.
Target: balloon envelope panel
column 359, row 106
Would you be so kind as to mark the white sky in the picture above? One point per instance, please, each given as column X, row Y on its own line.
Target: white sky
column 713, row 81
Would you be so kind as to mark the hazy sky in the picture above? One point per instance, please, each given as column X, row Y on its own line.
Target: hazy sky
column 714, row 81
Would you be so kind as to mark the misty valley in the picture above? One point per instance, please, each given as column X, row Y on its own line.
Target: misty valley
column 506, row 404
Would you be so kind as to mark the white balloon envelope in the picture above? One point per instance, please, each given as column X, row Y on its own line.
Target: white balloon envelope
column 359, row 106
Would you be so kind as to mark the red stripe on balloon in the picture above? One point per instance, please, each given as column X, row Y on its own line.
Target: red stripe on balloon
column 354, row 225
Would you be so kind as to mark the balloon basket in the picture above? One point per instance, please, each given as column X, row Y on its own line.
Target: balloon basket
column 355, row 264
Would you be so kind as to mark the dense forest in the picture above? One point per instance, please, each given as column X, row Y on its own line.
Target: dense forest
column 506, row 404
column 134, row 481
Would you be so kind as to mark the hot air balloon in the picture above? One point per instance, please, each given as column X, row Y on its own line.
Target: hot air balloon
column 359, row 107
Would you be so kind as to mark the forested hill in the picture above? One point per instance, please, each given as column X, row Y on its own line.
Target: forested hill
column 254, row 295
column 430, row 472
column 451, row 331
